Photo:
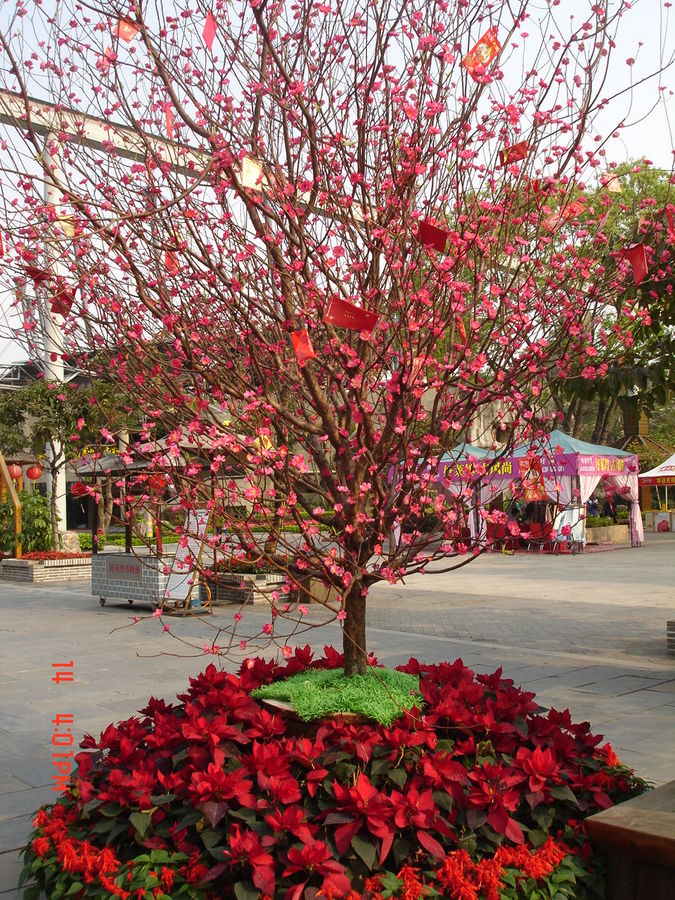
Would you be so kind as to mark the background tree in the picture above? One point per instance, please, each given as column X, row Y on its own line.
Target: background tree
column 65, row 420
column 344, row 234
column 636, row 205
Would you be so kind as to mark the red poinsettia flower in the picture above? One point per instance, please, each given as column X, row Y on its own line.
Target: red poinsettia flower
column 367, row 806
column 315, row 858
column 244, row 849
column 540, row 766
column 493, row 792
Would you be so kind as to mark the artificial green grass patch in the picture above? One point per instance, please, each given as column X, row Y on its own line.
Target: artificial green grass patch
column 380, row 694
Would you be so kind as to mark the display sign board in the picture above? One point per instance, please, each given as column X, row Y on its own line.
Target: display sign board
column 188, row 556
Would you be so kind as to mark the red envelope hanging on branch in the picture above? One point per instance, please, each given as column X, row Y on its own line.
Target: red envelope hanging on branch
column 62, row 299
column 302, row 346
column 508, row 155
column 168, row 116
column 126, row 30
column 38, row 275
column 432, row 236
column 637, row 257
column 171, row 262
column 346, row 315
column 671, row 223
column 461, row 331
column 209, row 31
column 569, row 211
column 482, row 54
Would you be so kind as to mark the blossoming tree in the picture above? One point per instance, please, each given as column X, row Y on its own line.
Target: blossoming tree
column 317, row 243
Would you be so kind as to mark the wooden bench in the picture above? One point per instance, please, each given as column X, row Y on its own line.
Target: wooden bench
column 670, row 638
column 639, row 836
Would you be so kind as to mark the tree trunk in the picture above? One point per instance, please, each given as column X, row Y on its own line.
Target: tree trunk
column 354, row 631
column 53, row 511
column 106, row 505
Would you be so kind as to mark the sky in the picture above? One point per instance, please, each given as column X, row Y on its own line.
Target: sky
column 648, row 111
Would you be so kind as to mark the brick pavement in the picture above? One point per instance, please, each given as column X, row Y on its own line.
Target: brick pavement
column 585, row 632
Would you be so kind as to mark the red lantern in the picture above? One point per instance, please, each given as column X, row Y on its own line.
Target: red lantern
column 14, row 471
column 78, row 489
column 34, row 472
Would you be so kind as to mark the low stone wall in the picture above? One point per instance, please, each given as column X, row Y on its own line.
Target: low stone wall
column 608, row 534
column 45, row 571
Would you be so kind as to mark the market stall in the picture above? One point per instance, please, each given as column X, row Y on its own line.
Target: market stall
column 560, row 468
column 660, row 516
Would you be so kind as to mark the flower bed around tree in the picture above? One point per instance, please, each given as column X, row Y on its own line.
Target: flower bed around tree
column 479, row 795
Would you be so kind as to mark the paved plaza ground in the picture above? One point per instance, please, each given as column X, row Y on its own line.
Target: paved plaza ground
column 584, row 632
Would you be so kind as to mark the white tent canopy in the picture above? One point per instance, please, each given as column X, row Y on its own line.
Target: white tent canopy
column 664, row 473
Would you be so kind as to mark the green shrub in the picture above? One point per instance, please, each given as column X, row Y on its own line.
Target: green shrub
column 36, row 525
column 622, row 514
column 599, row 521
column 7, row 537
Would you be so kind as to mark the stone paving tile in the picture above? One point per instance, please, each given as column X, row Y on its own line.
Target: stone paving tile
column 586, row 633
column 10, row 869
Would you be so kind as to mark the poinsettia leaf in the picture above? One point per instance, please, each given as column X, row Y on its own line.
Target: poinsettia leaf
column 190, row 818
column 141, row 822
column 514, row 832
column 402, row 849
column 75, row 888
column 210, row 838
column 365, row 849
column 247, row 815
column 430, row 844
column 244, row 890
column 468, row 842
column 536, row 837
column 380, row 766
column 214, row 872
column 444, row 800
column 476, row 818
column 543, row 816
column 398, row 776
column 563, row 792
column 214, row 812
column 112, row 810
column 337, row 818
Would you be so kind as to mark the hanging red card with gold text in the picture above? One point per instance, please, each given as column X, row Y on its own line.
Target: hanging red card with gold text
column 346, row 315
column 482, row 54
